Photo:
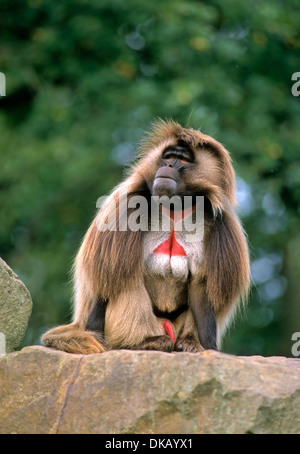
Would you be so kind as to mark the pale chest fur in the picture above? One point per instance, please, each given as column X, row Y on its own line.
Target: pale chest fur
column 168, row 254
column 169, row 261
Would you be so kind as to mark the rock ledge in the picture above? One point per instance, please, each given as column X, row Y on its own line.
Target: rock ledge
column 126, row 392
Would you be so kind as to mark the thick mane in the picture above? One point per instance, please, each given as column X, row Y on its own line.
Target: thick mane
column 113, row 258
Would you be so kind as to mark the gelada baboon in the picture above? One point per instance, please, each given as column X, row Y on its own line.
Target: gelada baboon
column 153, row 288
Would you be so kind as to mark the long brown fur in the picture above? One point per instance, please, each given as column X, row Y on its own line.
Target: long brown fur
column 110, row 264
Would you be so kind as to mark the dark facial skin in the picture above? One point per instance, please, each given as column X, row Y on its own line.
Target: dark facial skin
column 168, row 178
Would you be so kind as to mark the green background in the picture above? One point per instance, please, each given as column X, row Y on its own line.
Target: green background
column 85, row 79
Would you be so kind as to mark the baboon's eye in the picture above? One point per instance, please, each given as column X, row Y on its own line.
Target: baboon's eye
column 177, row 153
column 175, row 157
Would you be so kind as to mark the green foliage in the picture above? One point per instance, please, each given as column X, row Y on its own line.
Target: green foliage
column 86, row 78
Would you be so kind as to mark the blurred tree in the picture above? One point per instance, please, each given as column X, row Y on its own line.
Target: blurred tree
column 86, row 78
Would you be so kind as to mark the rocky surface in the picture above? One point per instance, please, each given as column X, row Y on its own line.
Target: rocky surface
column 127, row 392
column 15, row 307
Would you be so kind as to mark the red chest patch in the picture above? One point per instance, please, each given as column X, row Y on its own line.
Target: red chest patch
column 170, row 247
